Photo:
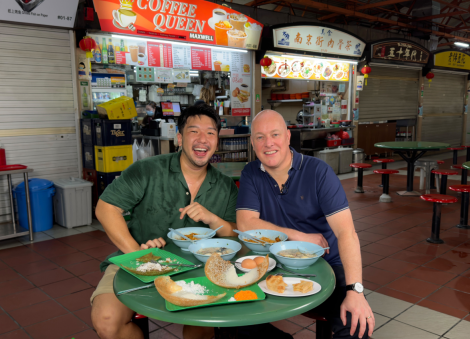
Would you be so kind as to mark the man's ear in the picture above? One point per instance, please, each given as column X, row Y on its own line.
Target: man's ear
column 180, row 139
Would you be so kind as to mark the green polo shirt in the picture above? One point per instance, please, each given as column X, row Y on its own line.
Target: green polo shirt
column 155, row 187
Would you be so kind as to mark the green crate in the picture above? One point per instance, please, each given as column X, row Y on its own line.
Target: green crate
column 213, row 289
column 129, row 261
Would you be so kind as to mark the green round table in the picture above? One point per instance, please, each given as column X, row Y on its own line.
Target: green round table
column 149, row 303
column 411, row 151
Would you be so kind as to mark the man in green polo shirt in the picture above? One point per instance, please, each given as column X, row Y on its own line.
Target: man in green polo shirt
column 172, row 190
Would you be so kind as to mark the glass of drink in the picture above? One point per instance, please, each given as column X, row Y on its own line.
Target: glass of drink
column 253, row 32
column 221, row 29
column 217, row 65
column 236, row 38
column 134, row 51
column 238, row 21
column 142, row 48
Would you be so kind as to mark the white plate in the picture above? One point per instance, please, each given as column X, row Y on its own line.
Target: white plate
column 211, row 23
column 289, row 292
column 238, row 263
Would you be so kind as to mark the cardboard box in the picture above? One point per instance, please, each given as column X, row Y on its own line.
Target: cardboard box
column 168, row 130
column 117, row 109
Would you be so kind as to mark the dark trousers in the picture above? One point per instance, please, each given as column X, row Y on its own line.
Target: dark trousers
column 330, row 309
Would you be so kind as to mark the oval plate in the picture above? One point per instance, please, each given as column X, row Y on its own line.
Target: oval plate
column 289, row 292
column 238, row 263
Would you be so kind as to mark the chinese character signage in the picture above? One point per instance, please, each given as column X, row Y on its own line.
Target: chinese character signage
column 40, row 12
column 189, row 20
column 403, row 51
column 318, row 39
column 452, row 59
column 305, row 69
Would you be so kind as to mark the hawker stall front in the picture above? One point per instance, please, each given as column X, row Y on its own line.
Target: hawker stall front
column 388, row 100
column 307, row 75
column 444, row 104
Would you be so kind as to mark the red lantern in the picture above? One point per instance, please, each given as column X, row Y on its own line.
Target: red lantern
column 87, row 44
column 430, row 76
column 366, row 70
column 266, row 62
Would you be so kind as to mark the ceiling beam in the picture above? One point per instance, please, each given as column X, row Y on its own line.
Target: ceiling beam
column 452, row 5
column 437, row 16
column 374, row 5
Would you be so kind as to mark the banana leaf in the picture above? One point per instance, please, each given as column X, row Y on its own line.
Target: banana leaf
column 149, row 273
column 147, row 258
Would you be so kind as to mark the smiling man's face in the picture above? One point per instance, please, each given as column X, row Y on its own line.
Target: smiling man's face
column 199, row 139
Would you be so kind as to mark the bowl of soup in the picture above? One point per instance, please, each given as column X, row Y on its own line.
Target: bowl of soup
column 270, row 237
column 296, row 254
column 203, row 249
column 190, row 232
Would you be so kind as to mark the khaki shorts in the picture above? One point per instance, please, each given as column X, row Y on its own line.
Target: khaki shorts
column 106, row 283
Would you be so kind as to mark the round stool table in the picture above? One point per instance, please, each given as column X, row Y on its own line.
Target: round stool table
column 148, row 302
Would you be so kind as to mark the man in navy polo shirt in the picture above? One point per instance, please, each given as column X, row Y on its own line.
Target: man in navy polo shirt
column 302, row 197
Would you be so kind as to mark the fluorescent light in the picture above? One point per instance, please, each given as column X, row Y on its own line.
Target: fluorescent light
column 320, row 59
column 177, row 43
column 461, row 44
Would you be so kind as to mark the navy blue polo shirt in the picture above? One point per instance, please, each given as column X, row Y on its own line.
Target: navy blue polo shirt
column 311, row 193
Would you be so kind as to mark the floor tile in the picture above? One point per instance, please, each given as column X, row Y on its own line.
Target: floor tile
column 451, row 298
column 85, row 316
column 459, row 331
column 59, row 252
column 443, row 308
column 412, row 286
column 380, row 249
column 57, row 328
column 7, row 324
column 23, row 299
column 38, row 237
column 454, row 255
column 23, row 259
column 287, row 326
column 89, row 243
column 84, row 267
column 380, row 320
column 430, row 249
column 370, row 285
column 370, row 258
column 36, row 267
column 395, row 266
column 175, row 329
column 160, row 322
column 8, row 274
column 14, row 286
column 430, row 320
column 398, row 330
column 431, row 275
column 153, row 326
column 13, row 252
column 301, row 320
column 48, row 245
column 88, row 334
column 92, row 278
column 412, row 257
column 97, row 252
column 76, row 301
column 18, row 334
column 304, row 334
column 69, row 259
column 162, row 334
column 387, row 306
column 59, row 232
column 378, row 276
column 368, row 236
column 49, row 277
column 372, row 220
column 73, row 239
column 65, row 287
column 384, row 230
column 447, row 265
column 36, row 313
column 460, row 283
column 399, row 295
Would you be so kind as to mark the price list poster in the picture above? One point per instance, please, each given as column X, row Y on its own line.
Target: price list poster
column 160, row 54
column 240, row 84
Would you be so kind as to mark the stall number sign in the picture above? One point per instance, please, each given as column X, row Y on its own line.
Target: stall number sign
column 400, row 51
column 452, row 59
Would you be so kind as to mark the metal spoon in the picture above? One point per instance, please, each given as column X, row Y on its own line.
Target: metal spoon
column 279, row 265
column 304, row 251
column 135, row 289
column 246, row 235
column 181, row 235
column 203, row 236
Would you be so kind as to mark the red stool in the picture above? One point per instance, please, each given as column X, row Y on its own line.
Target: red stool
column 360, row 170
column 437, row 199
column 324, row 326
column 143, row 323
column 468, row 152
column 384, row 163
column 444, row 173
column 463, row 181
column 385, row 197
column 440, row 162
column 455, row 150
column 465, row 190
column 433, row 176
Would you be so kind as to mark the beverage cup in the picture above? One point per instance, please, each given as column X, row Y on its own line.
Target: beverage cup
column 217, row 65
column 238, row 21
column 124, row 17
column 219, row 15
column 253, row 33
column 236, row 38
column 142, row 48
column 134, row 51
column 221, row 37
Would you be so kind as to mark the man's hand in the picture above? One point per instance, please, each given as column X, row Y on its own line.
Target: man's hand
column 153, row 243
column 316, row 238
column 198, row 213
column 356, row 304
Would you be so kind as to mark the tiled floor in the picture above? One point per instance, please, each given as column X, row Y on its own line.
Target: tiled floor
column 417, row 290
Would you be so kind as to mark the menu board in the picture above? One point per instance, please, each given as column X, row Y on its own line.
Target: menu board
column 240, row 84
column 305, row 69
column 164, row 75
column 221, row 60
column 181, row 56
column 201, row 58
column 160, row 54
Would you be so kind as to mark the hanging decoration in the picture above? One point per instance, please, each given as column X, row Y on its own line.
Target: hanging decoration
column 366, row 70
column 87, row 44
column 430, row 76
column 266, row 62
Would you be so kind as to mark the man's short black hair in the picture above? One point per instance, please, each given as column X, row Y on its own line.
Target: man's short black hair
column 198, row 110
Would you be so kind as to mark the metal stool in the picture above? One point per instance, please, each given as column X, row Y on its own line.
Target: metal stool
column 444, row 173
column 463, row 180
column 465, row 190
column 426, row 165
column 385, row 197
column 455, row 151
column 468, row 152
column 143, row 323
column 437, row 199
column 360, row 170
column 384, row 163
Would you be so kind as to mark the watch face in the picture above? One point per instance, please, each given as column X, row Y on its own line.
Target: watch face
column 358, row 288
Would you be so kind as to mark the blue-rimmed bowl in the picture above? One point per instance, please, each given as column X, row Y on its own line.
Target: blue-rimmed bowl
column 296, row 264
column 184, row 244
column 220, row 242
column 258, row 248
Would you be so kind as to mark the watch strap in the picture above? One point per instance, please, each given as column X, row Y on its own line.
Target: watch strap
column 350, row 287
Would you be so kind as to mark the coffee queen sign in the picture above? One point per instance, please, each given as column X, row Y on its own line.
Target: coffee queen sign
column 190, row 20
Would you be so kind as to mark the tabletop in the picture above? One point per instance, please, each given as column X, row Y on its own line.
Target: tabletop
column 148, row 302
column 412, row 145
column 466, row 165
column 231, row 169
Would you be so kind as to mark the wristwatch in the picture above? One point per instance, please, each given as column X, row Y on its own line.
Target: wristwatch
column 355, row 287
